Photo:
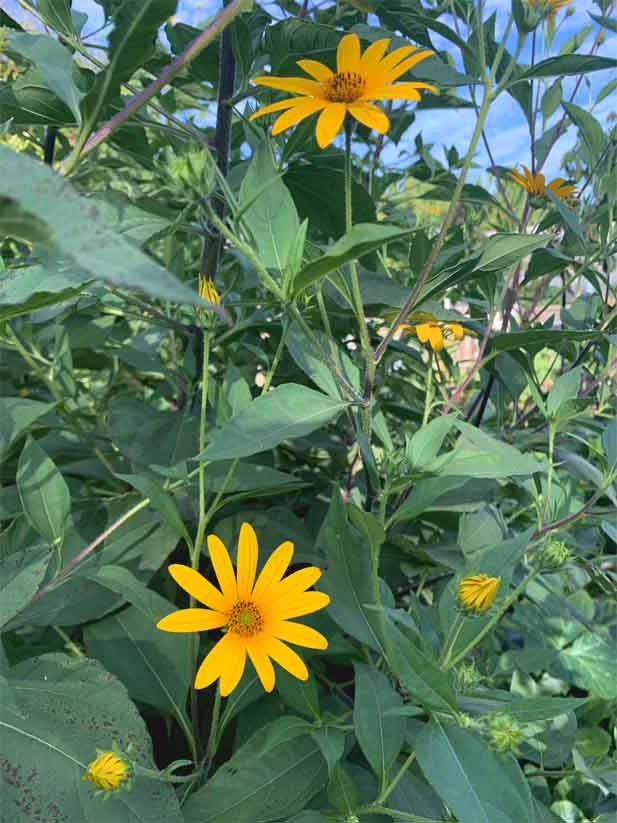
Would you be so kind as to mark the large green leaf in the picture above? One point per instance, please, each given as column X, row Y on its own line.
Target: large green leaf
column 65, row 709
column 380, row 736
column 28, row 102
column 269, row 210
column 477, row 786
column 286, row 412
column 503, row 250
column 80, row 232
column 589, row 128
column 569, row 64
column 362, row 239
column 54, row 63
column 21, row 573
column 525, row 710
column 477, row 454
column 16, row 415
column 591, row 660
column 271, row 777
column 538, row 339
column 43, row 492
column 318, row 357
column 424, row 493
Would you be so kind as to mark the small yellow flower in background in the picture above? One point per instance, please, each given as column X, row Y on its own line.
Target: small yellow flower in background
column 548, row 7
column 477, row 593
column 535, row 184
column 108, row 772
column 256, row 616
column 358, row 79
column 207, row 290
column 433, row 332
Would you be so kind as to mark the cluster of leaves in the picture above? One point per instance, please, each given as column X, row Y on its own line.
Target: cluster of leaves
column 396, row 470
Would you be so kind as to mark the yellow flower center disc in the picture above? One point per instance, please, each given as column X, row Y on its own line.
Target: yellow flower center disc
column 245, row 619
column 344, row 87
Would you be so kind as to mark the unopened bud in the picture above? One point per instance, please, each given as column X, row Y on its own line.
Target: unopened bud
column 503, row 733
column 555, row 554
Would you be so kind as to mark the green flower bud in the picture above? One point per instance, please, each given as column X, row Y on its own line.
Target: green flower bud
column 503, row 733
column 555, row 554
column 468, row 677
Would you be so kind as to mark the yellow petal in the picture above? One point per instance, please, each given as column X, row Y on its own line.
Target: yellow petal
column 234, row 667
column 373, row 55
column 215, row 661
column 247, row 560
column 304, row 108
column 395, row 57
column 405, row 65
column 348, row 53
column 369, row 115
column 316, row 69
column 399, row 91
column 278, row 106
column 261, row 662
column 296, row 583
column 192, row 620
column 299, row 634
column 329, row 123
column 296, row 85
column 274, row 568
column 456, row 330
column 198, row 587
column 285, row 657
column 435, row 336
column 297, row 605
column 222, row 567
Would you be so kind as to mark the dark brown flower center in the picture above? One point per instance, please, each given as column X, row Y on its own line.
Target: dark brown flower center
column 344, row 87
column 245, row 619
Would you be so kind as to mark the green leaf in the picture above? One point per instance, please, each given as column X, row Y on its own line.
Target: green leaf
column 348, row 579
column 538, row 339
column 80, row 233
column 313, row 356
column 271, row 777
column 331, row 742
column 381, row 737
column 21, row 574
column 606, row 22
column 16, row 415
column 54, row 62
column 569, row 64
column 43, row 492
column 477, row 454
column 425, row 444
column 424, row 493
column 28, row 102
column 609, row 442
column 268, row 210
column 57, row 15
column 67, row 708
column 525, row 710
column 474, row 783
column 342, row 792
column 362, row 239
column 153, row 665
column 551, row 99
column 504, row 250
column 286, row 412
column 162, row 501
column 301, row 695
column 589, row 129
column 19, row 286
column 565, row 388
column 418, row 674
column 591, row 661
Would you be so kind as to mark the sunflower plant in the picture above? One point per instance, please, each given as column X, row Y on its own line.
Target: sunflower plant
column 308, row 358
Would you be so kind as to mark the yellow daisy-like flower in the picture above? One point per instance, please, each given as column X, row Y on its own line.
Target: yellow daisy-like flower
column 108, row 771
column 477, row 593
column 549, row 7
column 358, row 79
column 207, row 290
column 256, row 616
column 535, row 184
column 432, row 332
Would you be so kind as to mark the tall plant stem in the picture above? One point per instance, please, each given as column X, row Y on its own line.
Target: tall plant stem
column 277, row 356
column 428, row 396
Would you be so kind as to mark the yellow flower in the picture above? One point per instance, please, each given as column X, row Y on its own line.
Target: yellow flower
column 535, row 185
column 433, row 332
column 358, row 80
column 477, row 592
column 108, row 771
column 254, row 615
column 207, row 290
column 548, row 7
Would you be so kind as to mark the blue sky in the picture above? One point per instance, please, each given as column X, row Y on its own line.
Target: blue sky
column 506, row 130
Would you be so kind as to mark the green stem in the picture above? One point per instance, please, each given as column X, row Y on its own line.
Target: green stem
column 547, row 508
column 450, row 642
column 376, row 808
column 495, row 619
column 214, row 727
column 385, row 794
column 277, row 355
column 428, row 397
column 68, row 643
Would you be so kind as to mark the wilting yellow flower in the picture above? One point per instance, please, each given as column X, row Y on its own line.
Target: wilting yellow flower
column 254, row 615
column 433, row 332
column 207, row 290
column 108, row 771
column 358, row 79
column 477, row 592
column 534, row 184
column 549, row 8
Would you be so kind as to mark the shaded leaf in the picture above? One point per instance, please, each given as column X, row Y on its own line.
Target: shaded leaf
column 43, row 492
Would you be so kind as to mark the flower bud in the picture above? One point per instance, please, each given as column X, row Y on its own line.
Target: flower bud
column 503, row 733
column 555, row 554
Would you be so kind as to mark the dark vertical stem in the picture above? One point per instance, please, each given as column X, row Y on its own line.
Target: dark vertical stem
column 50, row 144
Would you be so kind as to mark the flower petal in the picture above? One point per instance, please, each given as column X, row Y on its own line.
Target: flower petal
column 247, row 560
column 262, row 663
column 401, row 68
column 299, row 604
column 370, row 115
column 299, row 634
column 215, row 661
column 198, row 587
column 316, row 69
column 348, row 53
column 399, row 91
column 435, row 336
column 304, row 108
column 296, row 85
column 285, row 657
column 373, row 54
column 274, row 568
column 234, row 666
column 192, row 620
column 329, row 123
column 292, row 586
column 222, row 567
column 278, row 106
